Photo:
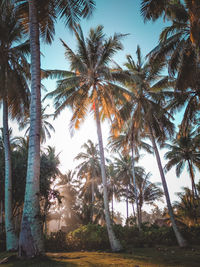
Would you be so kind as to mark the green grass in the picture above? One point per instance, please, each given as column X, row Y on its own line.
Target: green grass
column 142, row 257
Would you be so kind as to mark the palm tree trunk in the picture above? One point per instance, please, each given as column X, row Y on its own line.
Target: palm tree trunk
column 31, row 239
column 112, row 204
column 194, row 190
column 1, row 217
column 135, row 186
column 11, row 237
column 127, row 204
column 181, row 241
column 114, row 243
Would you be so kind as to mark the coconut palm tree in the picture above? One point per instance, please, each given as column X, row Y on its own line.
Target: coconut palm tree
column 90, row 84
column 179, row 47
column 129, row 140
column 89, row 169
column 14, row 93
column 145, row 107
column 148, row 192
column 40, row 17
column 184, row 149
column 187, row 208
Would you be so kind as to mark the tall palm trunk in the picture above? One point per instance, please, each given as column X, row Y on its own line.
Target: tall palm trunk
column 194, row 190
column 114, row 243
column 31, row 240
column 135, row 186
column 181, row 241
column 11, row 237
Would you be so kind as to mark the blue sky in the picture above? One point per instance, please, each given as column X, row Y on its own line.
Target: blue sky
column 121, row 16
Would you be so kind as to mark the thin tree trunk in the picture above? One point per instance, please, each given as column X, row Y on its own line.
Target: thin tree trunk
column 11, row 237
column 92, row 198
column 181, row 241
column 133, row 209
column 135, row 186
column 194, row 190
column 127, row 204
column 114, row 243
column 1, row 217
column 31, row 238
column 112, row 204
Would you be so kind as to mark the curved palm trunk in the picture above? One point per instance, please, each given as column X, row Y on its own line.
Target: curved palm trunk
column 114, row 243
column 135, row 186
column 181, row 241
column 31, row 239
column 11, row 237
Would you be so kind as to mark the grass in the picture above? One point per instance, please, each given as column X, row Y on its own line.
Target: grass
column 140, row 257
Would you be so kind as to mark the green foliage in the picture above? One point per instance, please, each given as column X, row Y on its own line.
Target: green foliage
column 56, row 241
column 94, row 237
column 88, row 237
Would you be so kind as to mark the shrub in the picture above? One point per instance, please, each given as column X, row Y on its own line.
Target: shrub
column 88, row 237
column 56, row 241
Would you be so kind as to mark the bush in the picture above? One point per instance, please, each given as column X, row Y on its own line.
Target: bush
column 94, row 237
column 56, row 241
column 88, row 237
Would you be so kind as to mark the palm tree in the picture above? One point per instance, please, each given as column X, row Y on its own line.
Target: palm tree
column 143, row 82
column 148, row 192
column 184, row 149
column 172, row 10
column 40, row 17
column 46, row 126
column 187, row 207
column 123, row 173
column 179, row 47
column 89, row 169
column 127, row 140
column 14, row 95
column 91, row 85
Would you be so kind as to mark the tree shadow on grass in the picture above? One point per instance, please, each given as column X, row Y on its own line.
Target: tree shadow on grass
column 39, row 262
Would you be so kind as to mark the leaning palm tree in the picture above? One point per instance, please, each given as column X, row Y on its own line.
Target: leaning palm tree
column 90, row 84
column 40, row 17
column 184, row 149
column 145, row 106
column 14, row 95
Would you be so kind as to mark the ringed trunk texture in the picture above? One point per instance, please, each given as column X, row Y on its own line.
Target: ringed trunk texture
column 181, row 241
column 31, row 239
column 114, row 242
column 135, row 187
column 11, row 237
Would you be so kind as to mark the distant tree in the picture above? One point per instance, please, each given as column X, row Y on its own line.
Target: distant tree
column 184, row 150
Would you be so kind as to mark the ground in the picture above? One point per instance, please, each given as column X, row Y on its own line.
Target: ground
column 143, row 257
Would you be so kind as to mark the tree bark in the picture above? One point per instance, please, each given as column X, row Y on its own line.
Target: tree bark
column 114, row 242
column 1, row 217
column 11, row 237
column 135, row 186
column 194, row 190
column 181, row 241
column 31, row 239
column 127, row 204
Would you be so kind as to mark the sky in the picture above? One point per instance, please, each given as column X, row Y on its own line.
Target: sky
column 121, row 16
